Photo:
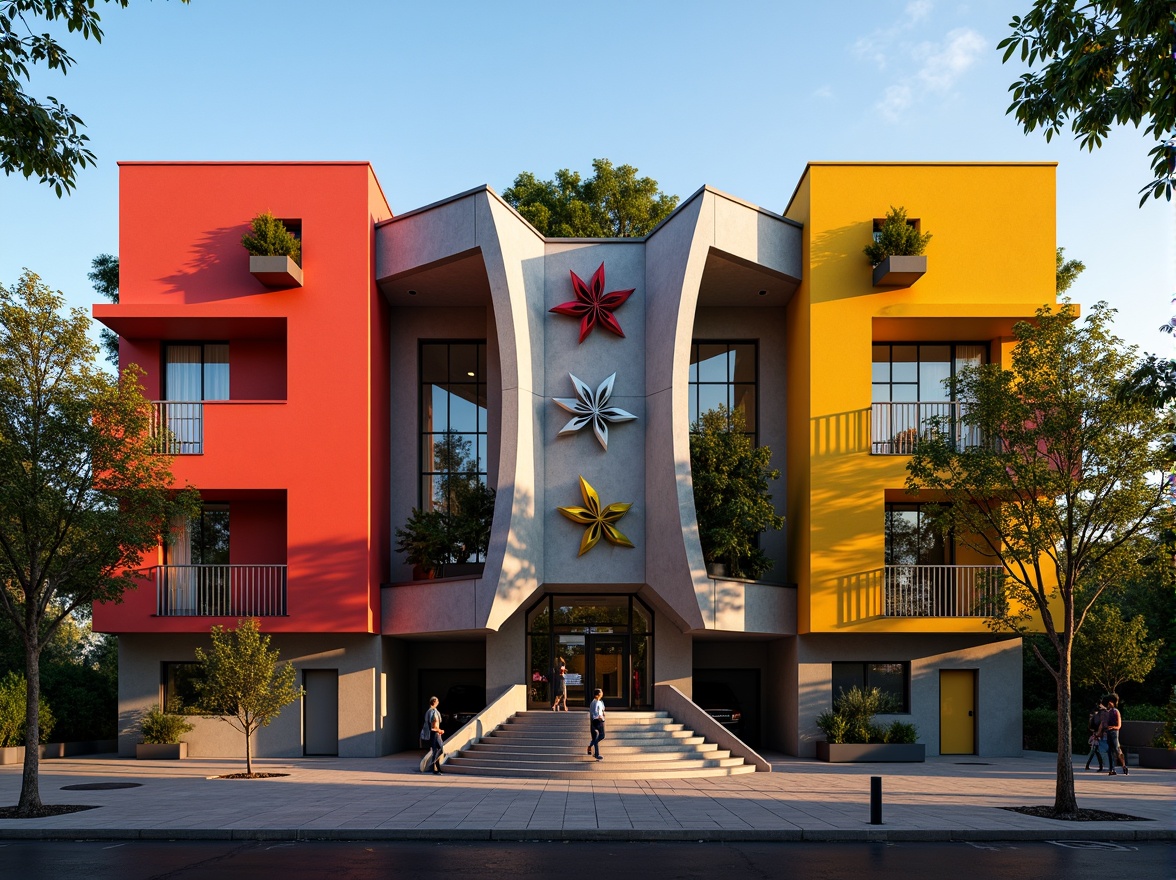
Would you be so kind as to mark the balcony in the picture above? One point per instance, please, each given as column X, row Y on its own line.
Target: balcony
column 177, row 427
column 220, row 590
column 943, row 590
column 895, row 428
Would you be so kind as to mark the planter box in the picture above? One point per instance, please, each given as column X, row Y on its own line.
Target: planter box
column 449, row 570
column 12, row 755
column 854, row 753
column 1157, row 759
column 899, row 271
column 276, row 272
column 1134, row 734
column 161, row 751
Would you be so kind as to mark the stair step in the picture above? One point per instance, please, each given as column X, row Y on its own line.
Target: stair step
column 600, row 770
column 676, row 747
column 579, row 756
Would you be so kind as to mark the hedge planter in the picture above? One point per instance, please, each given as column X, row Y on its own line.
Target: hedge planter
column 12, row 755
column 899, row 271
column 860, row 753
column 1157, row 759
column 276, row 272
column 161, row 751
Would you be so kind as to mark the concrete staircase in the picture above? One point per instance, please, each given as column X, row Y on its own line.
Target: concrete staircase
column 552, row 745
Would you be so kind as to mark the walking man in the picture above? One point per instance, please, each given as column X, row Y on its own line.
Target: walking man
column 1112, row 723
column 596, row 716
column 1098, row 743
column 433, row 729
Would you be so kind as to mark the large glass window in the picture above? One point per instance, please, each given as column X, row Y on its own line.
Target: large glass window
column 724, row 372
column 179, row 683
column 912, row 540
column 196, row 371
column 892, row 679
column 917, row 372
column 454, row 425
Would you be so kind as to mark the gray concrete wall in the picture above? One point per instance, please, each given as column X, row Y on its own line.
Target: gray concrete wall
column 358, row 659
column 997, row 662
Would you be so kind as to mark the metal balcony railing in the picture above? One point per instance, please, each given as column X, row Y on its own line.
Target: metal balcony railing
column 896, row 427
column 220, row 590
column 177, row 427
column 944, row 590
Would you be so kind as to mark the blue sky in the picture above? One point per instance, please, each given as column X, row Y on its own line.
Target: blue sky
column 444, row 96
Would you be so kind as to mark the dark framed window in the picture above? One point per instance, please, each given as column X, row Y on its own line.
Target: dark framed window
column 911, row 539
column 179, row 686
column 454, row 415
column 891, row 678
column 195, row 371
column 202, row 540
column 725, row 372
column 908, row 372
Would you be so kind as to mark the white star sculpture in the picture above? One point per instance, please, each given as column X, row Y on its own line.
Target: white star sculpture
column 589, row 407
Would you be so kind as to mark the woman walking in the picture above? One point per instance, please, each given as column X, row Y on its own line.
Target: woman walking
column 561, row 685
column 596, row 714
column 433, row 729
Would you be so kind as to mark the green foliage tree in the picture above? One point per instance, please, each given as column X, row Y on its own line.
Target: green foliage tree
column 1062, row 495
column 42, row 138
column 13, row 721
column 613, row 203
column 1102, row 63
column 270, row 238
column 731, row 499
column 103, row 275
column 896, row 237
column 82, row 496
column 1067, row 271
column 1109, row 650
column 242, row 681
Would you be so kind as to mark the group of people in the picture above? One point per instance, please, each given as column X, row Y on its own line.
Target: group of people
column 1104, row 725
column 431, row 731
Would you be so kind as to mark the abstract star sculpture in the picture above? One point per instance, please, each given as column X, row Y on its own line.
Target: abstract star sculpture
column 588, row 407
column 592, row 305
column 599, row 522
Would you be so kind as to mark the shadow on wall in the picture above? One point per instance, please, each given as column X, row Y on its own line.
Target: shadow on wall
column 861, row 596
column 321, row 584
column 217, row 268
column 840, row 433
column 844, row 245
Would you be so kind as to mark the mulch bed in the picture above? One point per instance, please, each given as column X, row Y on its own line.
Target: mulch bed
column 46, row 810
column 1080, row 816
column 250, row 776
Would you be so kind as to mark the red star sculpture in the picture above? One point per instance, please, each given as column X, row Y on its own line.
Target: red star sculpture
column 593, row 305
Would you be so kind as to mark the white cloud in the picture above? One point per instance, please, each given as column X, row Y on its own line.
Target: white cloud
column 943, row 65
column 894, row 101
column 917, row 10
column 825, row 91
column 879, row 45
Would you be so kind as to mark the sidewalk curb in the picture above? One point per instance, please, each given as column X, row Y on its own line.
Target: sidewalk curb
column 783, row 835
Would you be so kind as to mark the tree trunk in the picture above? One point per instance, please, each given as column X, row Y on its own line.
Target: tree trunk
column 30, row 788
column 248, row 757
column 1065, row 801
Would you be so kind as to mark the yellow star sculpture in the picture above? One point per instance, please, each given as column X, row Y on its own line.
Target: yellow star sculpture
column 599, row 522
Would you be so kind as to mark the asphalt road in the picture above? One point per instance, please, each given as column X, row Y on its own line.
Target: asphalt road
column 135, row 860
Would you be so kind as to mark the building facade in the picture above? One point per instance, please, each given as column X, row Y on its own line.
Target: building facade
column 453, row 346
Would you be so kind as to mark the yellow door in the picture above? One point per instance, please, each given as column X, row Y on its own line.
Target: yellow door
column 957, row 711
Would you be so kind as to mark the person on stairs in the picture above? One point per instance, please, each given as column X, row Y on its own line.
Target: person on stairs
column 596, row 716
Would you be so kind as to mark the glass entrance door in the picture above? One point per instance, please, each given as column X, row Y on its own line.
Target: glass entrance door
column 572, row 649
column 610, row 668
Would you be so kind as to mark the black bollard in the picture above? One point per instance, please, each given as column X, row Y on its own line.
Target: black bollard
column 875, row 800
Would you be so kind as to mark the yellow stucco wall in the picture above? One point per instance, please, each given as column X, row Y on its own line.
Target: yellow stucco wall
column 990, row 263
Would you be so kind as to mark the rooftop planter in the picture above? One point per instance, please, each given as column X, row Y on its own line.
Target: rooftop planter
column 896, row 253
column 275, row 253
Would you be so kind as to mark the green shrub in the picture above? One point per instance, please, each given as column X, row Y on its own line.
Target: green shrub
column 271, row 238
column 852, row 718
column 13, row 694
column 160, row 727
column 896, row 238
column 1039, row 730
column 1143, row 712
column 833, row 726
column 1166, row 738
column 900, row 732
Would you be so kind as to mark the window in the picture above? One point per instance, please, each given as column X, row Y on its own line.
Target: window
column 196, row 371
column 202, row 540
column 197, row 578
column 179, row 686
column 724, row 372
column 892, row 679
column 911, row 539
column 453, row 419
column 911, row 387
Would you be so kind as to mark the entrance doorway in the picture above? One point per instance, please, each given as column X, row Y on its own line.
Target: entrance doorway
column 320, row 733
column 957, row 711
column 605, row 642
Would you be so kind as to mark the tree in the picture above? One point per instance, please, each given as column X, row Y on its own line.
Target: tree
column 1062, row 492
column 82, row 497
column 103, row 275
column 1067, row 271
column 731, row 499
column 42, row 138
column 1103, row 63
column 612, row 203
column 242, row 681
column 1109, row 650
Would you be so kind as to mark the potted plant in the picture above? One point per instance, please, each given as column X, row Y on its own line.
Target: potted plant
column 731, row 499
column 1161, row 754
column 896, row 253
column 161, row 731
column 275, row 253
column 426, row 542
column 852, row 734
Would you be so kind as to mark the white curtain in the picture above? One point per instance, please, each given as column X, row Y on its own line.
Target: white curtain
column 181, row 582
column 216, row 371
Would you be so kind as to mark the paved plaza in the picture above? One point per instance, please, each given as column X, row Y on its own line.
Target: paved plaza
column 946, row 798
